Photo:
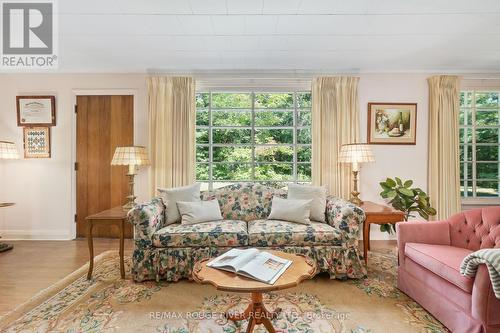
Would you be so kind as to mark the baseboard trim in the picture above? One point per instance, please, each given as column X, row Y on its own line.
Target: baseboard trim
column 35, row 235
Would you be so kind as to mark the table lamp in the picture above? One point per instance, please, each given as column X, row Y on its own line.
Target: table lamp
column 132, row 156
column 8, row 151
column 356, row 153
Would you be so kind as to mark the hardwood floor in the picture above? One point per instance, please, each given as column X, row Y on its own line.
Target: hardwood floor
column 35, row 265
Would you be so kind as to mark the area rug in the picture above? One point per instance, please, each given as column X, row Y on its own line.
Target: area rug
column 109, row 304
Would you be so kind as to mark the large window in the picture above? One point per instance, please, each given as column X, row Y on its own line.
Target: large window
column 479, row 144
column 253, row 137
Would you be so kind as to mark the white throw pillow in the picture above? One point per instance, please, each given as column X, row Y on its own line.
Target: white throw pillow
column 199, row 212
column 173, row 195
column 297, row 211
column 315, row 193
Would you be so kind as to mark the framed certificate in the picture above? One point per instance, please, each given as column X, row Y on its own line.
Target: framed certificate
column 36, row 110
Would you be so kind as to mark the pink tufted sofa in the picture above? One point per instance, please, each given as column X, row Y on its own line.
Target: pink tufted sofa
column 430, row 254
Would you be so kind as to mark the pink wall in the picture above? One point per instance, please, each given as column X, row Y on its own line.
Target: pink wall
column 43, row 188
column 404, row 161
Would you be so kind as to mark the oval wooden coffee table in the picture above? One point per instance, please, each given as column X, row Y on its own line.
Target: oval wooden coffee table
column 302, row 268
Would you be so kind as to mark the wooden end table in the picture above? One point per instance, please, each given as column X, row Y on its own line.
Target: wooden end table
column 377, row 214
column 4, row 246
column 114, row 216
column 302, row 268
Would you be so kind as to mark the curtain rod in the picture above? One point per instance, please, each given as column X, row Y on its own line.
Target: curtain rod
column 481, row 78
column 303, row 74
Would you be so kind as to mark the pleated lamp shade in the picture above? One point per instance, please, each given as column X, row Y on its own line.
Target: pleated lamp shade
column 356, row 153
column 133, row 155
column 8, row 150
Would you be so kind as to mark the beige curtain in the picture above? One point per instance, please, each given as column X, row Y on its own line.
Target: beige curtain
column 172, row 121
column 335, row 121
column 444, row 168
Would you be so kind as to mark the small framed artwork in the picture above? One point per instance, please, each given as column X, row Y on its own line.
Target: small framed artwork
column 36, row 110
column 36, row 142
column 392, row 123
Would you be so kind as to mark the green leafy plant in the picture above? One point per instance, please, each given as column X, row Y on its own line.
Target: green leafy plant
column 406, row 199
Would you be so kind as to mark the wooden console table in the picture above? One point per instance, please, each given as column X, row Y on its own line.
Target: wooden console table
column 114, row 216
column 377, row 214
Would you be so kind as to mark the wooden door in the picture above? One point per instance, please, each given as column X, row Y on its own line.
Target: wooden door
column 102, row 124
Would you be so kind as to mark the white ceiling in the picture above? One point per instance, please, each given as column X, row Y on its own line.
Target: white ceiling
column 320, row 35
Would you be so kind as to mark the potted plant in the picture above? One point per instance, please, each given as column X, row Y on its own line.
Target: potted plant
column 406, row 199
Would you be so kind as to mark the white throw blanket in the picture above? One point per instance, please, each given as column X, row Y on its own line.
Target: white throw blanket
column 489, row 257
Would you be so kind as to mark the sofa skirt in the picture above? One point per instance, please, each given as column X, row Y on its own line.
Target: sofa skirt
column 173, row 264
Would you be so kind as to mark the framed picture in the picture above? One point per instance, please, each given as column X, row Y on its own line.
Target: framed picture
column 36, row 142
column 36, row 110
column 392, row 123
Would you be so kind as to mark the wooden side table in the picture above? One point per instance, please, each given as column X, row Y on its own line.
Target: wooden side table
column 377, row 214
column 4, row 246
column 302, row 268
column 114, row 216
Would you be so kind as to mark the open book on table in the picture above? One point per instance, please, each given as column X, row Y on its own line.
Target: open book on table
column 252, row 263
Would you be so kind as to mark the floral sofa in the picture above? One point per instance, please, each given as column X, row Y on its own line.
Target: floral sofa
column 169, row 252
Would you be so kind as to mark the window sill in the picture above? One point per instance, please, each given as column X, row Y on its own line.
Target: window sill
column 480, row 202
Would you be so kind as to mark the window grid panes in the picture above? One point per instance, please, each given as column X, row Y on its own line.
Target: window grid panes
column 253, row 137
column 479, row 144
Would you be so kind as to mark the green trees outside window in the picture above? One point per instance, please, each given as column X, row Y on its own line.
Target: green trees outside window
column 479, row 143
column 255, row 137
